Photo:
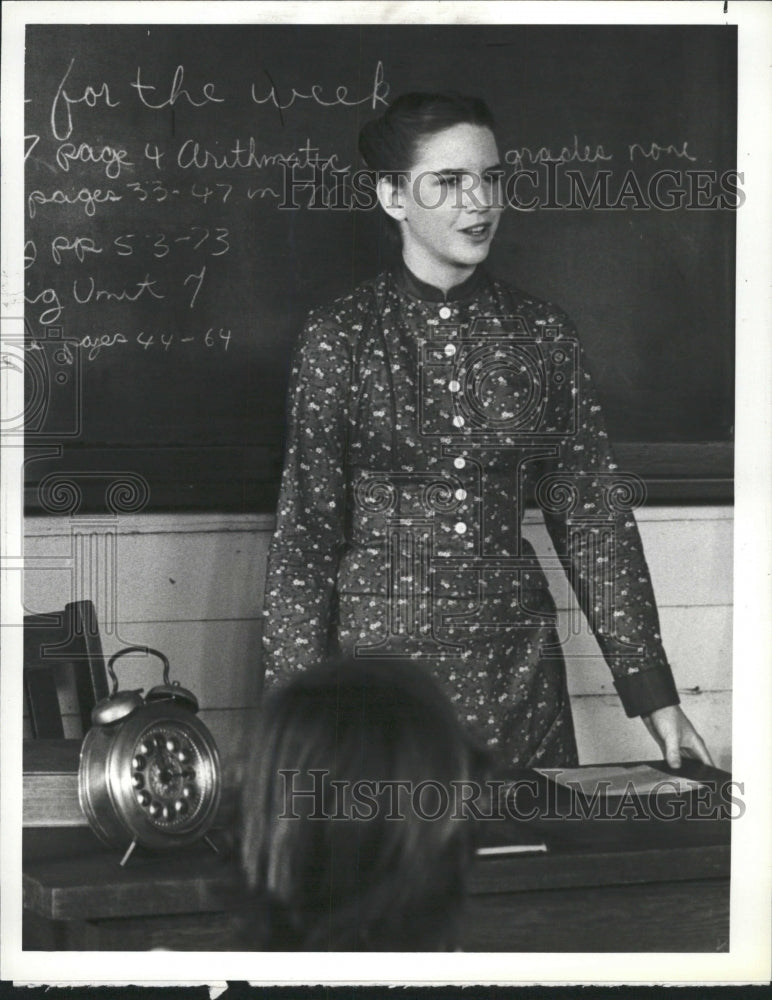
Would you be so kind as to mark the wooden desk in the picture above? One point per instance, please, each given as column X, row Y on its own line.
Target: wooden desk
column 628, row 885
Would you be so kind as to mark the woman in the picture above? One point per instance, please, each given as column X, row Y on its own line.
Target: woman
column 422, row 406
column 335, row 856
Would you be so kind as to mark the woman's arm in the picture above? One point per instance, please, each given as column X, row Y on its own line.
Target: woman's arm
column 599, row 545
column 602, row 553
column 309, row 537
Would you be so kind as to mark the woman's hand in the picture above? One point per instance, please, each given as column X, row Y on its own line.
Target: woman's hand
column 676, row 735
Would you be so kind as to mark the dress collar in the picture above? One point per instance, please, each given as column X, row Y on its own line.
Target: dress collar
column 413, row 285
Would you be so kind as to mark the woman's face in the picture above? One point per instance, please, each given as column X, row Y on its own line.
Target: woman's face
column 449, row 207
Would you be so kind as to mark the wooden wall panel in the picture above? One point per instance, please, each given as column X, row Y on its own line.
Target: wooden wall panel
column 192, row 586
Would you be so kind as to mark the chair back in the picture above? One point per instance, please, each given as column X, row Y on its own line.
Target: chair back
column 62, row 646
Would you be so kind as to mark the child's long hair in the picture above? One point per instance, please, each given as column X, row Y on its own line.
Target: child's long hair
column 354, row 866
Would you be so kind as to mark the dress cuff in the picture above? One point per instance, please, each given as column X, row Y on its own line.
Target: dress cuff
column 647, row 690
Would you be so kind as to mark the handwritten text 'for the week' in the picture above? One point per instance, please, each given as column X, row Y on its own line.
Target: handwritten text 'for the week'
column 157, row 96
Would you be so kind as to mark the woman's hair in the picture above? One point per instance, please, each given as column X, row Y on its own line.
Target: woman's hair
column 388, row 144
column 338, row 857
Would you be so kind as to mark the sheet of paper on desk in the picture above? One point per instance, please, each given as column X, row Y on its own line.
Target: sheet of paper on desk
column 616, row 779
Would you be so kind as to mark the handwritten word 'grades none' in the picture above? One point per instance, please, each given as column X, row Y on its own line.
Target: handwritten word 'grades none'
column 158, row 96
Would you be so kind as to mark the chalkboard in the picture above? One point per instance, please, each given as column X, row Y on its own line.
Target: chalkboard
column 168, row 273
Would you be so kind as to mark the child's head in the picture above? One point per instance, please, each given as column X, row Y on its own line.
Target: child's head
column 337, row 846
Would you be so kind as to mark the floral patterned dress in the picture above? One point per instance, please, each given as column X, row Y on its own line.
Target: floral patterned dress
column 419, row 423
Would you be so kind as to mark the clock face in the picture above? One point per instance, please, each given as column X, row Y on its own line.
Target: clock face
column 152, row 778
column 170, row 775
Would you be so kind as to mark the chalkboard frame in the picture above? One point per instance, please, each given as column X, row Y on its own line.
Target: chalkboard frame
column 674, row 474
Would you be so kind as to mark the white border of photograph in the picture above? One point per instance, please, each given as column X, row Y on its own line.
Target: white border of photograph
column 748, row 959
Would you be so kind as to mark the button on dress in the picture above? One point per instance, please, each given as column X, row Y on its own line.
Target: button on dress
column 419, row 422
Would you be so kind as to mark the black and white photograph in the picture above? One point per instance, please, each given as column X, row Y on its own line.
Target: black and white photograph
column 386, row 480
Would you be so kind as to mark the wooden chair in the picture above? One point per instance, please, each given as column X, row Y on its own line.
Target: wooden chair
column 55, row 644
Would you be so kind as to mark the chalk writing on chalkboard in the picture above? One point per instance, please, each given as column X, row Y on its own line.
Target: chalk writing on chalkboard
column 191, row 192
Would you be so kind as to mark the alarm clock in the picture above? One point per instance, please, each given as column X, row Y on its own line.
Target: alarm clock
column 149, row 770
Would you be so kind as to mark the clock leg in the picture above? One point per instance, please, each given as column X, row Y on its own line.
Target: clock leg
column 211, row 843
column 129, row 852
